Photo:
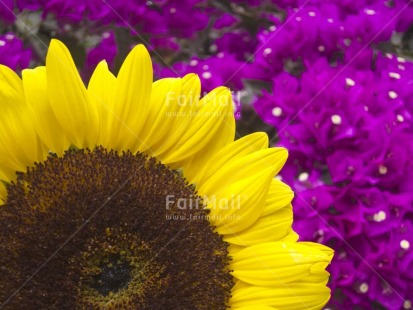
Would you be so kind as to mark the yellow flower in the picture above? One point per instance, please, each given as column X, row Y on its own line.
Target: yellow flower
column 133, row 194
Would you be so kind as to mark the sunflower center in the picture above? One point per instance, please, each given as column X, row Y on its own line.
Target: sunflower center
column 113, row 276
column 102, row 230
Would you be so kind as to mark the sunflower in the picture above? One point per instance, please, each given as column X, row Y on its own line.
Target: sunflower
column 133, row 194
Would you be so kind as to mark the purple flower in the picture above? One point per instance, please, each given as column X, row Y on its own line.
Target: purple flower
column 225, row 20
column 6, row 11
column 348, row 128
column 211, row 71
column 238, row 43
column 12, row 52
column 326, row 29
column 73, row 11
column 106, row 49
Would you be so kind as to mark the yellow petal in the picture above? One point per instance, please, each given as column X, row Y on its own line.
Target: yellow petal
column 255, row 307
column 132, row 96
column 279, row 196
column 212, row 125
column 7, row 173
column 234, row 248
column 197, row 161
column 238, row 149
column 44, row 120
column 19, row 146
column 69, row 98
column 101, row 93
column 182, row 115
column 317, row 246
column 292, row 236
column 275, row 222
column 238, row 206
column 278, row 263
column 236, row 194
column 292, row 296
column 267, row 159
column 3, row 193
column 161, row 117
column 321, row 277
column 272, row 227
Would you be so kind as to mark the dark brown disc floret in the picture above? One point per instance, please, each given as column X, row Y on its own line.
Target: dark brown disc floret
column 102, row 230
